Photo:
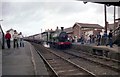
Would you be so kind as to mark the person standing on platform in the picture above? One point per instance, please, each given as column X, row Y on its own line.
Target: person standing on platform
column 110, row 38
column 82, row 39
column 8, row 37
column 98, row 38
column 15, row 39
column 21, row 43
column 105, row 38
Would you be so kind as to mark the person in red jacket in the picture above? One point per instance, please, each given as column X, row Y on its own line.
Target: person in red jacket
column 8, row 37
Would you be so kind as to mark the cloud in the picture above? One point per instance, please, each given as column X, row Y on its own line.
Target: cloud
column 31, row 17
column 0, row 10
column 38, row 0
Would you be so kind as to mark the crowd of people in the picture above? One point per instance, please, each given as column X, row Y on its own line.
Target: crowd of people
column 17, row 39
column 105, row 39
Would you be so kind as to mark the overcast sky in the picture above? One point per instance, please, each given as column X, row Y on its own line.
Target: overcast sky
column 30, row 17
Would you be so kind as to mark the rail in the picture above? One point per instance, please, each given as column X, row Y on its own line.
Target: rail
column 96, row 59
column 53, row 60
column 91, row 62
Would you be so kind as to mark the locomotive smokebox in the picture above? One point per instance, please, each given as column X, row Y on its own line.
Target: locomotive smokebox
column 62, row 28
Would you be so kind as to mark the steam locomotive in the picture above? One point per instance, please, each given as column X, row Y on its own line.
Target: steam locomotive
column 59, row 39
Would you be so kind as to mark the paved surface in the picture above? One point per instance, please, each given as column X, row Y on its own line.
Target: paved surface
column 115, row 48
column 22, row 61
column 112, row 53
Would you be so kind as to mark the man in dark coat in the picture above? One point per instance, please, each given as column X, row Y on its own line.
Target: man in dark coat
column 110, row 38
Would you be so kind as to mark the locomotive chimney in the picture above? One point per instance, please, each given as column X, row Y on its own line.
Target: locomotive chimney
column 62, row 28
column 57, row 28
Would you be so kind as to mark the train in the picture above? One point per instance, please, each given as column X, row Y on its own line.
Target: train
column 55, row 39
column 59, row 39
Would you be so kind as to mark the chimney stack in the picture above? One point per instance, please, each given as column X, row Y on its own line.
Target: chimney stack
column 62, row 28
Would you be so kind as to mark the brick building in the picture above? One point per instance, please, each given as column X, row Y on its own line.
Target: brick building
column 77, row 30
column 69, row 31
column 111, row 26
column 80, row 29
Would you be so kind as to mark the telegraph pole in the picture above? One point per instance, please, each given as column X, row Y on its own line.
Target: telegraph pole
column 3, row 41
column 114, row 19
column 105, row 18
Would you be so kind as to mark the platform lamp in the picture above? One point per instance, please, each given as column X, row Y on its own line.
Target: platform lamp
column 105, row 14
column 3, row 41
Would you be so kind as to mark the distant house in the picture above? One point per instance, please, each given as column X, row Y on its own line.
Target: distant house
column 111, row 26
column 37, row 36
column 49, row 34
column 80, row 29
column 46, row 35
column 69, row 31
column 118, row 20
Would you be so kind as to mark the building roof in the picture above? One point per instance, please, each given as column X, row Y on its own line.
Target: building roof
column 68, row 30
column 117, row 19
column 10, row 30
column 111, row 26
column 110, row 3
column 36, row 34
column 47, row 32
column 87, row 25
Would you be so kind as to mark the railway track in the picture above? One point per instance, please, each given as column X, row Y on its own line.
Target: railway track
column 74, row 61
column 61, row 66
column 96, row 65
column 111, row 63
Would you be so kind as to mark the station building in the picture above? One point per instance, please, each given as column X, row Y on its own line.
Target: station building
column 80, row 29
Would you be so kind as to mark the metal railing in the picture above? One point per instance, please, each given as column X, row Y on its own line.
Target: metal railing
column 116, row 37
column 117, row 31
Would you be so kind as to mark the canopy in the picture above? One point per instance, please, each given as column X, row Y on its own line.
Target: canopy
column 107, row 2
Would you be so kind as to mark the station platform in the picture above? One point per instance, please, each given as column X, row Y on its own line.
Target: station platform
column 104, row 51
column 22, row 61
column 114, row 48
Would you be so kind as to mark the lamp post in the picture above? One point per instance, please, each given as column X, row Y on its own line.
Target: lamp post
column 1, row 20
column 114, row 19
column 105, row 18
column 3, row 45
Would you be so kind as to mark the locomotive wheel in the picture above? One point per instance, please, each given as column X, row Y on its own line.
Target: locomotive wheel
column 61, row 47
